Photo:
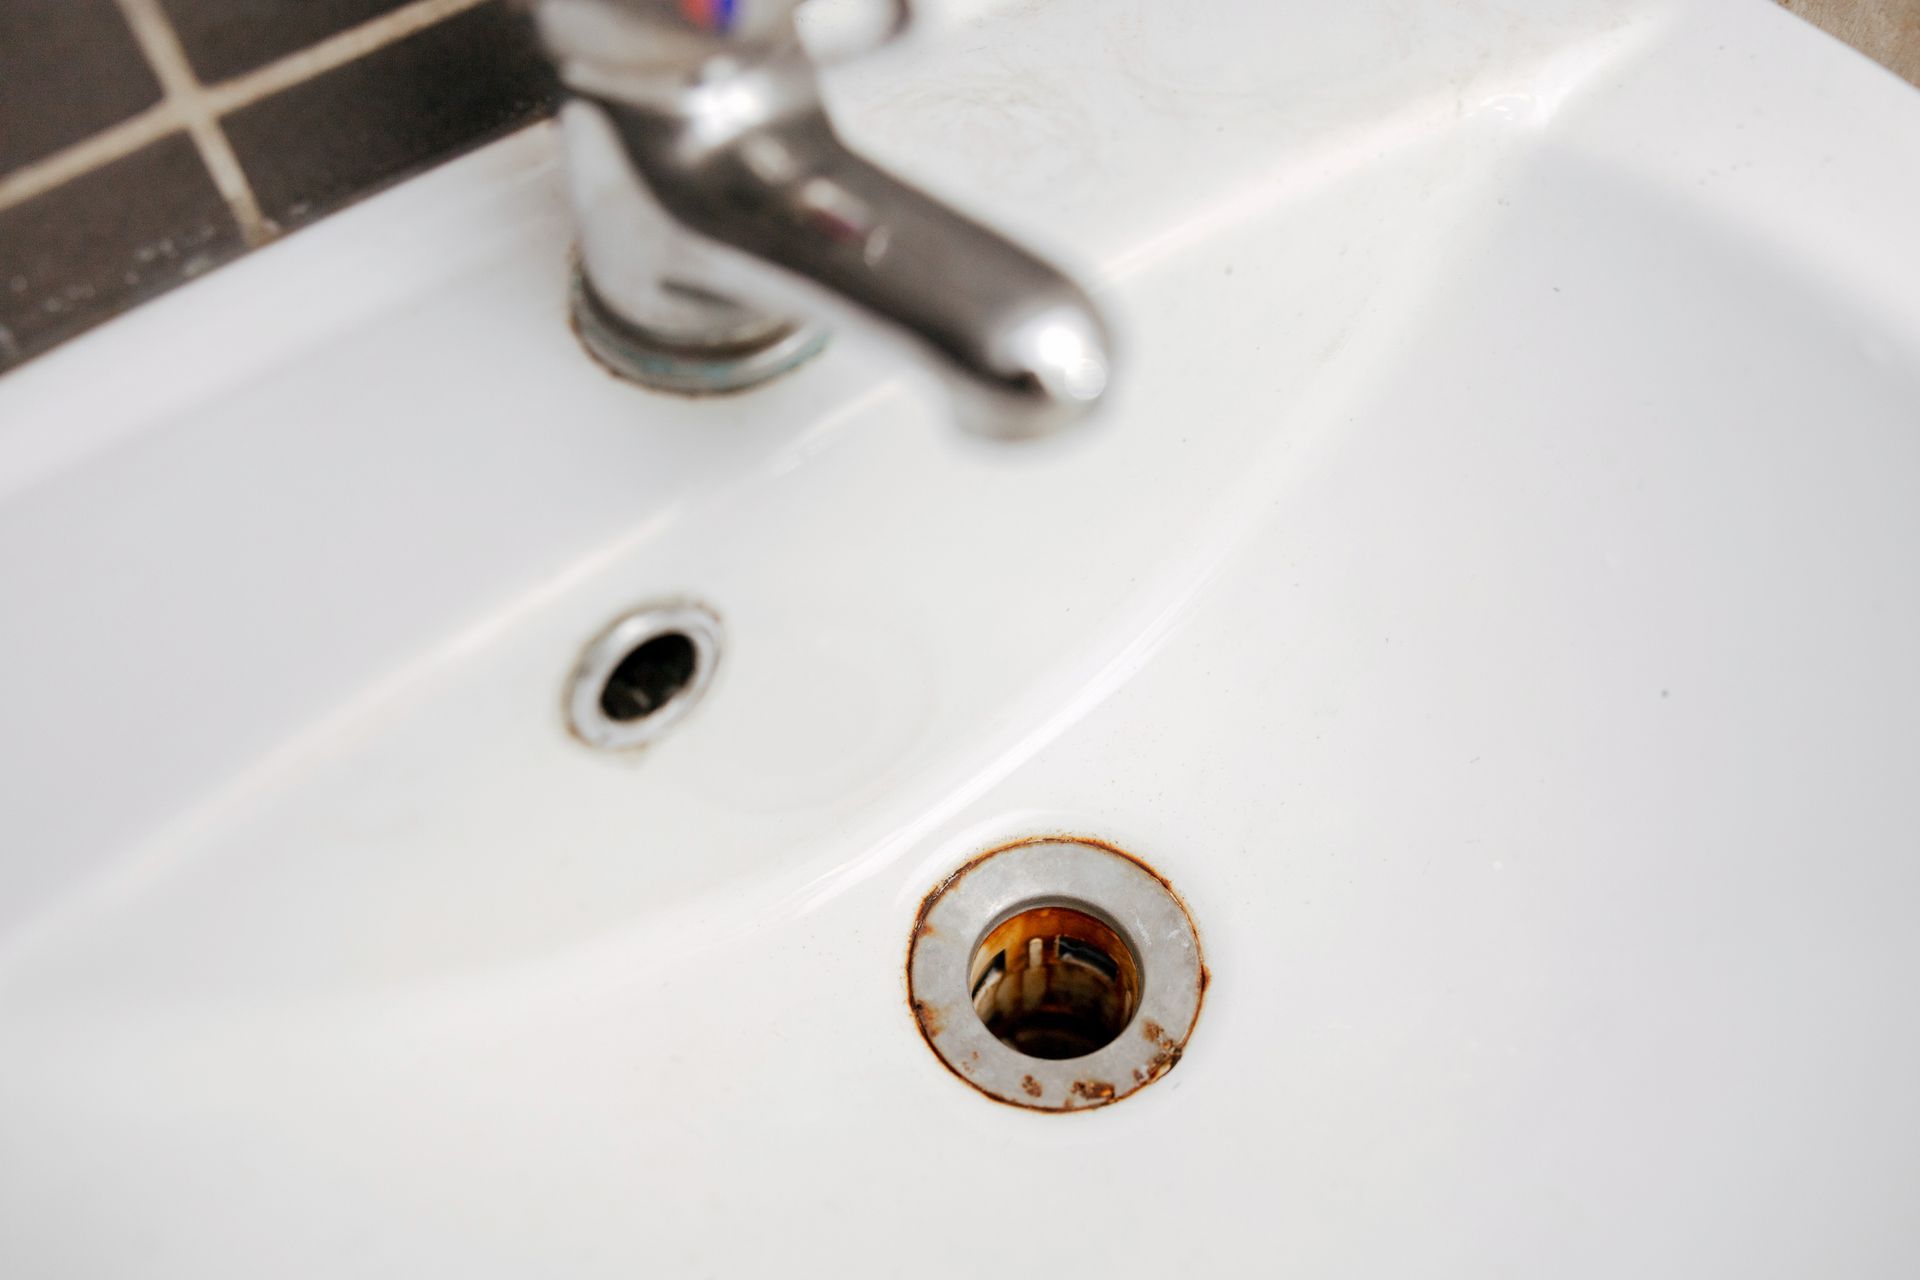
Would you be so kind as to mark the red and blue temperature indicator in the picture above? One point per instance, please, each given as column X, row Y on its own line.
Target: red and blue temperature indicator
column 713, row 15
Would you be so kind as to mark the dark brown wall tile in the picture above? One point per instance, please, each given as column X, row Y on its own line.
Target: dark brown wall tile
column 361, row 126
column 115, row 235
column 224, row 38
column 106, row 240
column 68, row 68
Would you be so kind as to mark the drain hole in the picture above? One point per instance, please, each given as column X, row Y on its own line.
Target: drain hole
column 1053, row 982
column 641, row 676
column 648, row 678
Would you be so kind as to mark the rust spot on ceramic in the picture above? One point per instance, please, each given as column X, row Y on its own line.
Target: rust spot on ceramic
column 1094, row 1092
column 1164, row 1061
column 929, row 1019
column 1169, row 1048
column 1032, row 1087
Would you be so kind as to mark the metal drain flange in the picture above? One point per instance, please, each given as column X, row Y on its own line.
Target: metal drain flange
column 1057, row 973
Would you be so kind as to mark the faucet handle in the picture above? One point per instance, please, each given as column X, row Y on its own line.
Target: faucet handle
column 678, row 38
column 837, row 31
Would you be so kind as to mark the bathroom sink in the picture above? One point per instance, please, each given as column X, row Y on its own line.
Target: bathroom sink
column 1491, row 601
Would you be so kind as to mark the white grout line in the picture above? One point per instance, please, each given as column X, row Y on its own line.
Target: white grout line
column 334, row 51
column 209, row 102
column 182, row 88
column 105, row 147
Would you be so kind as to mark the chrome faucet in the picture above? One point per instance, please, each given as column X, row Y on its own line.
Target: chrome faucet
column 724, row 226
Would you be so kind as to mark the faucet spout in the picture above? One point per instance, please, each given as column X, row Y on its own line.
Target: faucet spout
column 1021, row 346
column 725, row 224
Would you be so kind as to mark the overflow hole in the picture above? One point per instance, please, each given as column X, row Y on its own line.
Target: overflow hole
column 649, row 677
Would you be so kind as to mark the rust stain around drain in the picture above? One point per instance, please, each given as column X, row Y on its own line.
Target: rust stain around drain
column 1165, row 1060
column 1094, row 1092
column 929, row 1018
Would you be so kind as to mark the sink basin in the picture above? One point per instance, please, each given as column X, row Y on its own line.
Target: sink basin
column 1491, row 601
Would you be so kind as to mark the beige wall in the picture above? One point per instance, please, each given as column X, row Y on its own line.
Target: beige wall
column 1887, row 30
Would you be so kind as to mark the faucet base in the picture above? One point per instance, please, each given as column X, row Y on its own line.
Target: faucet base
column 631, row 352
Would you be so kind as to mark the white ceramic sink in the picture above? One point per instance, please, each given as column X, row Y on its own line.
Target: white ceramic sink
column 1493, row 601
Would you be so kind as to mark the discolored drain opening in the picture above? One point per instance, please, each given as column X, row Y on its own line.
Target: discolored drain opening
column 1028, row 986
column 640, row 676
column 1053, row 982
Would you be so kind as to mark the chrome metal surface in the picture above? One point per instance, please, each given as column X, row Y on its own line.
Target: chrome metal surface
column 715, row 198
column 1161, row 961
column 586, row 699
column 698, row 370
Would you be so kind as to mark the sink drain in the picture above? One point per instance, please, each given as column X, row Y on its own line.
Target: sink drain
column 640, row 676
column 1056, row 973
column 1054, row 982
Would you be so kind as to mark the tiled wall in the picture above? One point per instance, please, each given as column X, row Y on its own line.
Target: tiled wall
column 143, row 142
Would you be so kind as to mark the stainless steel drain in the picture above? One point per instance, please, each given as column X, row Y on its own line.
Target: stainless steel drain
column 640, row 676
column 1056, row 973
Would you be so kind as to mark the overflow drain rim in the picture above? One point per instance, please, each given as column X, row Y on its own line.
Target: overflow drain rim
column 1089, row 876
column 587, row 714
